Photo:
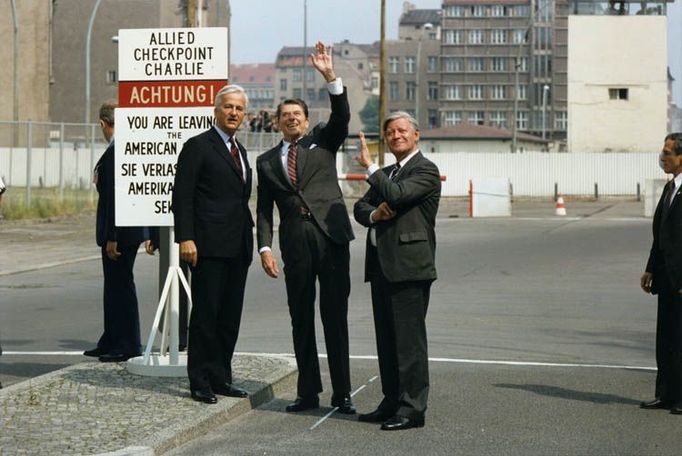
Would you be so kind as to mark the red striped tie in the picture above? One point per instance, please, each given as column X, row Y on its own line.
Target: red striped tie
column 291, row 163
column 234, row 151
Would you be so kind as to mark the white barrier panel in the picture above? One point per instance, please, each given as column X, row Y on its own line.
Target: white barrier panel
column 652, row 193
column 489, row 197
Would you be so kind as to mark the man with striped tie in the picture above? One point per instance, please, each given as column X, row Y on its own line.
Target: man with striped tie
column 299, row 176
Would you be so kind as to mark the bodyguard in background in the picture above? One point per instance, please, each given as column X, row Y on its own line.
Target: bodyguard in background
column 299, row 175
column 663, row 276
column 121, row 338
column 400, row 211
column 214, row 228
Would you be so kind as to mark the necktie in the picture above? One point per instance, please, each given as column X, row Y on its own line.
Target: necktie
column 394, row 171
column 234, row 151
column 671, row 193
column 291, row 162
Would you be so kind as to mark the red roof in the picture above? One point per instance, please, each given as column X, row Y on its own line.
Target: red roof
column 476, row 132
column 252, row 73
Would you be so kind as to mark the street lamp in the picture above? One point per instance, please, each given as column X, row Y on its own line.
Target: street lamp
column 87, row 61
column 427, row 26
column 545, row 90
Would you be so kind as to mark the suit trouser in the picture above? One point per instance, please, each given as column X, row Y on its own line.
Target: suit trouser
column 121, row 316
column 669, row 345
column 400, row 324
column 217, row 301
column 318, row 257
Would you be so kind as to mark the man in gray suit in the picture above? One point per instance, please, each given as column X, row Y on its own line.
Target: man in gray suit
column 400, row 211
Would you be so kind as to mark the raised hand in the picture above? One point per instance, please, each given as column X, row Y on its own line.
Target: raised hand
column 363, row 158
column 321, row 59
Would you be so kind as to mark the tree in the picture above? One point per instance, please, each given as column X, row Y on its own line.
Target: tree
column 370, row 115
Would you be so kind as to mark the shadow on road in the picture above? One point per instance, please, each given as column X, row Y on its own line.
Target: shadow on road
column 564, row 393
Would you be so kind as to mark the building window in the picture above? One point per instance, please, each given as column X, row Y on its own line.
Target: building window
column 523, row 92
column 476, row 118
column 433, row 91
column 452, row 92
column 523, row 64
column 453, row 37
column 498, row 92
column 452, row 118
column 360, row 66
column 453, row 64
column 311, row 94
column 433, row 118
column 498, row 11
column 432, row 64
column 475, row 63
column 475, row 36
column 618, row 94
column 478, row 10
column 393, row 64
column 375, row 82
column 410, row 64
column 323, row 94
column 498, row 36
column 410, row 90
column 499, row 63
column 297, row 75
column 393, row 91
column 476, row 92
column 454, row 11
column 111, row 77
column 520, row 11
column 282, row 84
column 310, row 74
column 518, row 36
column 522, row 120
column 561, row 120
column 297, row 93
column 498, row 119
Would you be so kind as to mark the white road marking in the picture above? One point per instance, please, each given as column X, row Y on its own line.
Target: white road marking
column 374, row 357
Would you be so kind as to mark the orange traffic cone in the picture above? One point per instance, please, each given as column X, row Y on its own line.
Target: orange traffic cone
column 560, row 206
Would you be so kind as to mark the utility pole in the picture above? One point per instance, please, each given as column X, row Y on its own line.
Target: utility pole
column 382, row 81
column 191, row 13
column 15, row 77
column 304, row 91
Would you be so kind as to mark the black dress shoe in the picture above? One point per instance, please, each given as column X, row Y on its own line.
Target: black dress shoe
column 117, row 357
column 227, row 389
column 204, row 395
column 676, row 409
column 95, row 352
column 303, row 403
column 344, row 404
column 398, row 423
column 655, row 404
column 377, row 416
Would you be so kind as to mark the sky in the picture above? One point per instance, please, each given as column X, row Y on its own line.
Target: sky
column 261, row 27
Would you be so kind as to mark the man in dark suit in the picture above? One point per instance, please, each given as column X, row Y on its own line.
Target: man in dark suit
column 400, row 211
column 213, row 226
column 121, row 338
column 299, row 175
column 663, row 276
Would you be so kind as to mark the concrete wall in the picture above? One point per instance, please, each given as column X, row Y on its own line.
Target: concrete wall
column 617, row 52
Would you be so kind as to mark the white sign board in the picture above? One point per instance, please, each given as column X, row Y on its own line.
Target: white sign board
column 490, row 197
column 168, row 79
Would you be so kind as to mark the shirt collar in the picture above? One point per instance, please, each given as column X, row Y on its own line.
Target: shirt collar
column 678, row 180
column 404, row 161
column 224, row 136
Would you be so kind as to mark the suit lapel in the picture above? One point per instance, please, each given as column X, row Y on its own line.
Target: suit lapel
column 411, row 163
column 302, row 158
column 277, row 166
column 221, row 149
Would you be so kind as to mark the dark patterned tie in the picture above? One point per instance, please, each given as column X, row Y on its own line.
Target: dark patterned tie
column 394, row 171
column 234, row 151
column 291, row 162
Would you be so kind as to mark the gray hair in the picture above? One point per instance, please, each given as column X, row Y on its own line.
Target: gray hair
column 677, row 142
column 400, row 115
column 106, row 111
column 230, row 88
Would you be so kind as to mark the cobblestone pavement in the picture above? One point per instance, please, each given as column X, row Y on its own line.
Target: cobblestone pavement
column 92, row 408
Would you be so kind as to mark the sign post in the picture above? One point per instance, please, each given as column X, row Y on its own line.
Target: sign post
column 168, row 80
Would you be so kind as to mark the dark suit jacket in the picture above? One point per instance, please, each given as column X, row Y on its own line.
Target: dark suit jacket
column 406, row 244
column 318, row 189
column 106, row 229
column 665, row 258
column 210, row 201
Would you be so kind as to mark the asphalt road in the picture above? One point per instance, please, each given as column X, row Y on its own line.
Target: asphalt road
column 546, row 291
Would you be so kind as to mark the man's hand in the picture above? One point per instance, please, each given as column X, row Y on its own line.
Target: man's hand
column 112, row 250
column 322, row 61
column 149, row 247
column 383, row 212
column 645, row 282
column 269, row 264
column 188, row 252
column 363, row 158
